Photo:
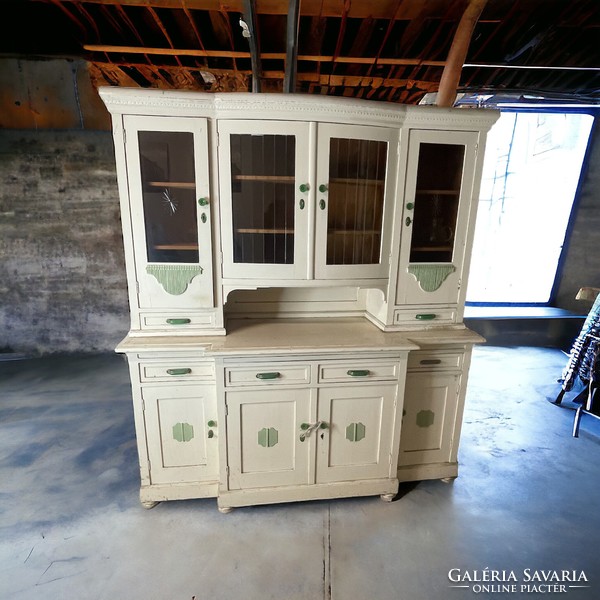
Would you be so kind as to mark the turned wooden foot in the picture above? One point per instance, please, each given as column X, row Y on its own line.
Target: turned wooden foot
column 148, row 504
column 388, row 497
column 448, row 479
column 225, row 509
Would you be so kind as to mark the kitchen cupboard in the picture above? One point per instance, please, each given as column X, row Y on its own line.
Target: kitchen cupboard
column 288, row 199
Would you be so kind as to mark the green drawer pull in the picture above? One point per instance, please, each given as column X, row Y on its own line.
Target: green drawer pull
column 304, row 187
column 203, row 201
column 273, row 375
column 323, row 188
column 358, row 372
column 425, row 316
column 184, row 371
column 178, row 321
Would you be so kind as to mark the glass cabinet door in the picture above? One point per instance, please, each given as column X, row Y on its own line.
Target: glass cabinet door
column 438, row 192
column 265, row 192
column 169, row 195
column 167, row 159
column 353, row 165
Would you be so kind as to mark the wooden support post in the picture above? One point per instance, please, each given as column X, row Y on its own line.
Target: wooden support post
column 291, row 57
column 250, row 20
column 458, row 53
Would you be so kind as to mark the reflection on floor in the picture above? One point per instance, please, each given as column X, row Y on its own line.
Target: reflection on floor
column 71, row 526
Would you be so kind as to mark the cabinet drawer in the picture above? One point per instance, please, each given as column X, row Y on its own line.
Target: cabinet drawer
column 435, row 361
column 267, row 374
column 425, row 316
column 176, row 322
column 358, row 371
column 176, row 370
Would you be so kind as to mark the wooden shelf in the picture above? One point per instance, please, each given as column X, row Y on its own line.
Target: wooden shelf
column 266, row 178
column 431, row 249
column 176, row 247
column 354, row 232
column 173, row 184
column 439, row 192
column 350, row 181
column 260, row 230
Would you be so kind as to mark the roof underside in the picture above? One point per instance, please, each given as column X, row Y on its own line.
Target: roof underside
column 391, row 50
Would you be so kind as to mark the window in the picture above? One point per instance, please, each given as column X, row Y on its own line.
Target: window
column 531, row 171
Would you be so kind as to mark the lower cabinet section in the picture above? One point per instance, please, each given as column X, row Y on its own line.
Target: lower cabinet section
column 336, row 435
column 181, row 433
column 430, row 402
column 432, row 415
column 274, row 439
column 296, row 426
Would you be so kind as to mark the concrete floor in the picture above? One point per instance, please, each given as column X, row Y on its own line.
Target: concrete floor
column 71, row 526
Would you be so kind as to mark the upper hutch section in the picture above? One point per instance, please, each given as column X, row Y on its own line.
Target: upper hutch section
column 241, row 191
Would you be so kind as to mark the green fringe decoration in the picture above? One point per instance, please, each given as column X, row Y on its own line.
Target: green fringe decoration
column 431, row 277
column 174, row 278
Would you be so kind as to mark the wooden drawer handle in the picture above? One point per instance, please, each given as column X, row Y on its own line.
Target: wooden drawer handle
column 358, row 372
column 273, row 375
column 182, row 321
column 431, row 361
column 185, row 371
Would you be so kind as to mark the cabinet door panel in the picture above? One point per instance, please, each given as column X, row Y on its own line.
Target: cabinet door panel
column 437, row 211
column 179, row 446
column 430, row 403
column 263, row 438
column 170, row 208
column 358, row 441
column 265, row 198
column 355, row 179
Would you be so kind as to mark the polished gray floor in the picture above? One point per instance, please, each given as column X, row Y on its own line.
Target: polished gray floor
column 527, row 500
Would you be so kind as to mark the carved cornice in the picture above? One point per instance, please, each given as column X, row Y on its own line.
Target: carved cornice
column 302, row 107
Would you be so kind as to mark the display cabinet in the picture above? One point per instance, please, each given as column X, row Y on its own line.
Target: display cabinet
column 305, row 200
column 343, row 230
column 437, row 217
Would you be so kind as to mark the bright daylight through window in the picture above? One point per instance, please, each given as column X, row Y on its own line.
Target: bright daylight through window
column 531, row 171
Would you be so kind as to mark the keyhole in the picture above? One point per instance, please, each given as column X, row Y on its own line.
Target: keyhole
column 322, row 436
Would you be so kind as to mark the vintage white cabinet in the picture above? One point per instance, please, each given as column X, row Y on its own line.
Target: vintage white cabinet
column 314, row 239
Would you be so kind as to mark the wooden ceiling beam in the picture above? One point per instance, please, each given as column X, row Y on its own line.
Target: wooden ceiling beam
column 458, row 52
column 357, row 9
column 264, row 55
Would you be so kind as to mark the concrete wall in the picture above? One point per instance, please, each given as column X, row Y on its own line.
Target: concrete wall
column 62, row 271
column 581, row 264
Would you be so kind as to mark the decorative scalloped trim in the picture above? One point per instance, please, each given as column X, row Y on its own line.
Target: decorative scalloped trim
column 431, row 277
column 174, row 278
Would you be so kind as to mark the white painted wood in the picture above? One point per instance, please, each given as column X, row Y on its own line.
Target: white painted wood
column 286, row 462
column 312, row 354
column 199, row 293
column 408, row 290
column 371, row 407
column 325, row 134
column 430, row 407
column 358, row 371
column 303, row 134
column 185, row 460
column 296, row 493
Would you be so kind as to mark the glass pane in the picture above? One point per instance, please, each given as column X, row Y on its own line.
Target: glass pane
column 436, row 202
column 355, row 197
column 262, row 191
column 169, row 196
column 531, row 171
